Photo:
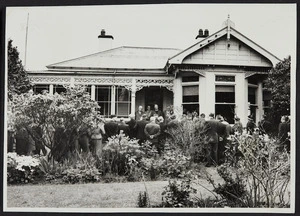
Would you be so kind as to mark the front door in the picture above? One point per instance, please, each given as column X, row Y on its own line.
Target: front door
column 154, row 95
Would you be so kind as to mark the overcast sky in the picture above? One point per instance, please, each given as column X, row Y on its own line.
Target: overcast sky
column 56, row 34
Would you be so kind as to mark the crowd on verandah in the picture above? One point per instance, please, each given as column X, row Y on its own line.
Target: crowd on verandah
column 151, row 125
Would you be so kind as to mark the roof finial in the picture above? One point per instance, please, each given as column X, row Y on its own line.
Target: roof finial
column 228, row 22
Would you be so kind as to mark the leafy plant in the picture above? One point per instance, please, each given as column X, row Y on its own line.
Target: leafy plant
column 178, row 195
column 143, row 200
column 22, row 169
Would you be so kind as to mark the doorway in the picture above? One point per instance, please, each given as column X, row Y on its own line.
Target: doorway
column 154, row 95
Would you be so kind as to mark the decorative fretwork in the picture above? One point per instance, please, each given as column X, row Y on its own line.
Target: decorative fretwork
column 132, row 84
column 103, row 80
column 50, row 80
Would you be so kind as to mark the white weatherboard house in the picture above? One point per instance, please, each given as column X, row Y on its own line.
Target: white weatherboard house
column 222, row 73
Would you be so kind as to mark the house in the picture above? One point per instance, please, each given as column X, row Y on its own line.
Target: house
column 222, row 73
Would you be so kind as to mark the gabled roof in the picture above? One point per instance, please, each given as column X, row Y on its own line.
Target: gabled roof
column 121, row 58
column 227, row 30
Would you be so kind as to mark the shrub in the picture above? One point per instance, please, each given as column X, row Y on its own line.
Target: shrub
column 172, row 164
column 178, row 194
column 80, row 168
column 188, row 136
column 143, row 200
column 262, row 172
column 22, row 169
column 121, row 155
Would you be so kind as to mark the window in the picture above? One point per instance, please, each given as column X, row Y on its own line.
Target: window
column 190, row 98
column 251, row 95
column 39, row 89
column 58, row 89
column 225, row 102
column 225, row 78
column 123, row 101
column 190, row 79
column 103, row 97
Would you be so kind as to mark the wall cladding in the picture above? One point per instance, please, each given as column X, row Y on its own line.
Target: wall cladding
column 223, row 52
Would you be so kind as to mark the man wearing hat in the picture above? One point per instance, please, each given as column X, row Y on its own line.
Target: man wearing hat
column 265, row 127
column 250, row 125
column 238, row 126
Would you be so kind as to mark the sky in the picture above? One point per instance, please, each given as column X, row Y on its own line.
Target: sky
column 57, row 34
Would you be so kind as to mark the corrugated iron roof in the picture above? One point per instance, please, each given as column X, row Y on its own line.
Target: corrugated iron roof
column 122, row 57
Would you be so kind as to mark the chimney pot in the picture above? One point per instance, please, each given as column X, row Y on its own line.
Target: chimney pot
column 102, row 32
column 206, row 33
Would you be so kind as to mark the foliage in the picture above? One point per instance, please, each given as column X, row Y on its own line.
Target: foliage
column 121, row 155
column 171, row 164
column 178, row 194
column 18, row 81
column 189, row 136
column 22, row 169
column 233, row 188
column 42, row 114
column 279, row 83
column 80, row 168
column 261, row 169
column 143, row 200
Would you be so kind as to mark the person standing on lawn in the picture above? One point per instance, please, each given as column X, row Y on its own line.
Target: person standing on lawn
column 264, row 126
column 96, row 138
column 152, row 131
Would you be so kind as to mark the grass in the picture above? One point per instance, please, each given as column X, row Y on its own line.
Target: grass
column 97, row 195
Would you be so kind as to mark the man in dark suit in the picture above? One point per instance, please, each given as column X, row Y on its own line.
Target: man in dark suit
column 140, row 127
column 216, row 133
column 139, row 113
column 132, row 126
column 111, row 127
column 156, row 112
column 152, row 131
column 283, row 130
column 264, row 126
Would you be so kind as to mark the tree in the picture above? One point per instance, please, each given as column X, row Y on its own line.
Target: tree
column 279, row 83
column 18, row 81
column 41, row 115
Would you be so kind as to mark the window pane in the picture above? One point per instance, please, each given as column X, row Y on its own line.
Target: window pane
column 190, row 108
column 190, row 90
column 190, row 79
column 220, row 88
column 187, row 99
column 58, row 89
column 123, row 109
column 102, row 96
column 122, row 94
column 38, row 89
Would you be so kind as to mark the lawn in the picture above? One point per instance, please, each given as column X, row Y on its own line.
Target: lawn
column 97, row 195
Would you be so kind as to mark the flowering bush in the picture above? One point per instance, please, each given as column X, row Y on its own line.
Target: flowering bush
column 171, row 164
column 43, row 114
column 121, row 155
column 22, row 169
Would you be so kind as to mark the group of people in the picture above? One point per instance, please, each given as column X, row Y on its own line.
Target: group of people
column 151, row 125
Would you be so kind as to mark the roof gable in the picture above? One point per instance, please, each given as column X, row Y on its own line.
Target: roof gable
column 224, row 52
column 231, row 35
